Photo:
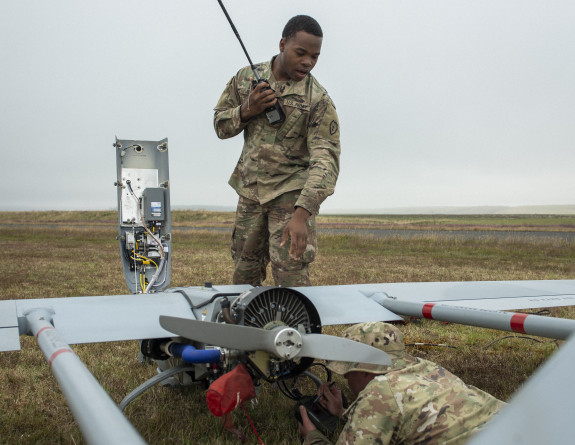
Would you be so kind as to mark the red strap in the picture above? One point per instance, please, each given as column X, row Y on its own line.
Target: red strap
column 253, row 427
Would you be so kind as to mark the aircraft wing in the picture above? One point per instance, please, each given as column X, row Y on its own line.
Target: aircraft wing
column 58, row 322
column 105, row 318
column 132, row 317
column 542, row 410
column 356, row 303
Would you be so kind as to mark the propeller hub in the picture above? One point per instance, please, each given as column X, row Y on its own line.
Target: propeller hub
column 287, row 343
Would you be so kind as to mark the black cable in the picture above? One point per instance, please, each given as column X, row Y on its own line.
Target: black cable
column 294, row 393
column 524, row 337
column 282, row 385
column 542, row 312
column 203, row 303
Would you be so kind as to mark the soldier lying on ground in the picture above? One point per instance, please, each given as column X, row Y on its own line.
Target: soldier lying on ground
column 411, row 401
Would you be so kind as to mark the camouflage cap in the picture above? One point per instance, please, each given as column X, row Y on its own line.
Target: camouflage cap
column 380, row 335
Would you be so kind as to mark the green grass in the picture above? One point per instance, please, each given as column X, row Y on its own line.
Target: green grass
column 454, row 221
column 57, row 261
column 201, row 218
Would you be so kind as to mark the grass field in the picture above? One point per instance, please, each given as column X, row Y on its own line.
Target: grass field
column 225, row 219
column 56, row 261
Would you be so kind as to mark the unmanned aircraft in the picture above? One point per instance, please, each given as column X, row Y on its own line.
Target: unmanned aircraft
column 201, row 333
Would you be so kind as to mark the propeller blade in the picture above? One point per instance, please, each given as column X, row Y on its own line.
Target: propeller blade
column 225, row 335
column 328, row 347
column 284, row 342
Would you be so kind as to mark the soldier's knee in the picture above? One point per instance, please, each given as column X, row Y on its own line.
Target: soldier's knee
column 293, row 275
column 253, row 277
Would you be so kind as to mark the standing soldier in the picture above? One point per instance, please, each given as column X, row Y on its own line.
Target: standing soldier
column 285, row 170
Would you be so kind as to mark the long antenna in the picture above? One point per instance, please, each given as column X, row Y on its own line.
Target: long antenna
column 274, row 113
column 240, row 39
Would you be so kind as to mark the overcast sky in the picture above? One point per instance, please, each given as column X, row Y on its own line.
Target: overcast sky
column 441, row 103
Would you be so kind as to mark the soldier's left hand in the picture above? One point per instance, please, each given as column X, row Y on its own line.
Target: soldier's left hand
column 306, row 426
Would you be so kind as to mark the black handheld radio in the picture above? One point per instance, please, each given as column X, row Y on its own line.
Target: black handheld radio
column 274, row 113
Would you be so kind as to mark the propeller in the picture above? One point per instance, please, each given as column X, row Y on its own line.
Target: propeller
column 284, row 342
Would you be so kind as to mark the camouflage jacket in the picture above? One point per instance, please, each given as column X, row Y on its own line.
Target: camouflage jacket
column 419, row 403
column 300, row 154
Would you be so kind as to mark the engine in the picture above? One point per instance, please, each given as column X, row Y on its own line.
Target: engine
column 261, row 307
column 269, row 308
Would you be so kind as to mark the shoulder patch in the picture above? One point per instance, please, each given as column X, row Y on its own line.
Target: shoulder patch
column 295, row 104
column 333, row 127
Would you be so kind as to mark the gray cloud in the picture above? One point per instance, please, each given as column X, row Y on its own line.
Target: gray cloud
column 441, row 103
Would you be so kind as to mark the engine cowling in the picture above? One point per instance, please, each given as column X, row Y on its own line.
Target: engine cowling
column 270, row 308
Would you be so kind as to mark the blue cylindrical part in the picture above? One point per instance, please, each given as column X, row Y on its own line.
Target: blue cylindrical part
column 189, row 354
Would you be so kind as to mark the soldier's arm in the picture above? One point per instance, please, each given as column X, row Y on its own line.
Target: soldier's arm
column 227, row 117
column 324, row 148
column 310, row 434
column 316, row 438
column 373, row 419
column 235, row 108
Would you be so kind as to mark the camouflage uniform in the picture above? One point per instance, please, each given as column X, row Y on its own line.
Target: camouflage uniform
column 295, row 164
column 412, row 401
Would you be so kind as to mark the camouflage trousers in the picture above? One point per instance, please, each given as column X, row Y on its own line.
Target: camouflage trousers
column 256, row 242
